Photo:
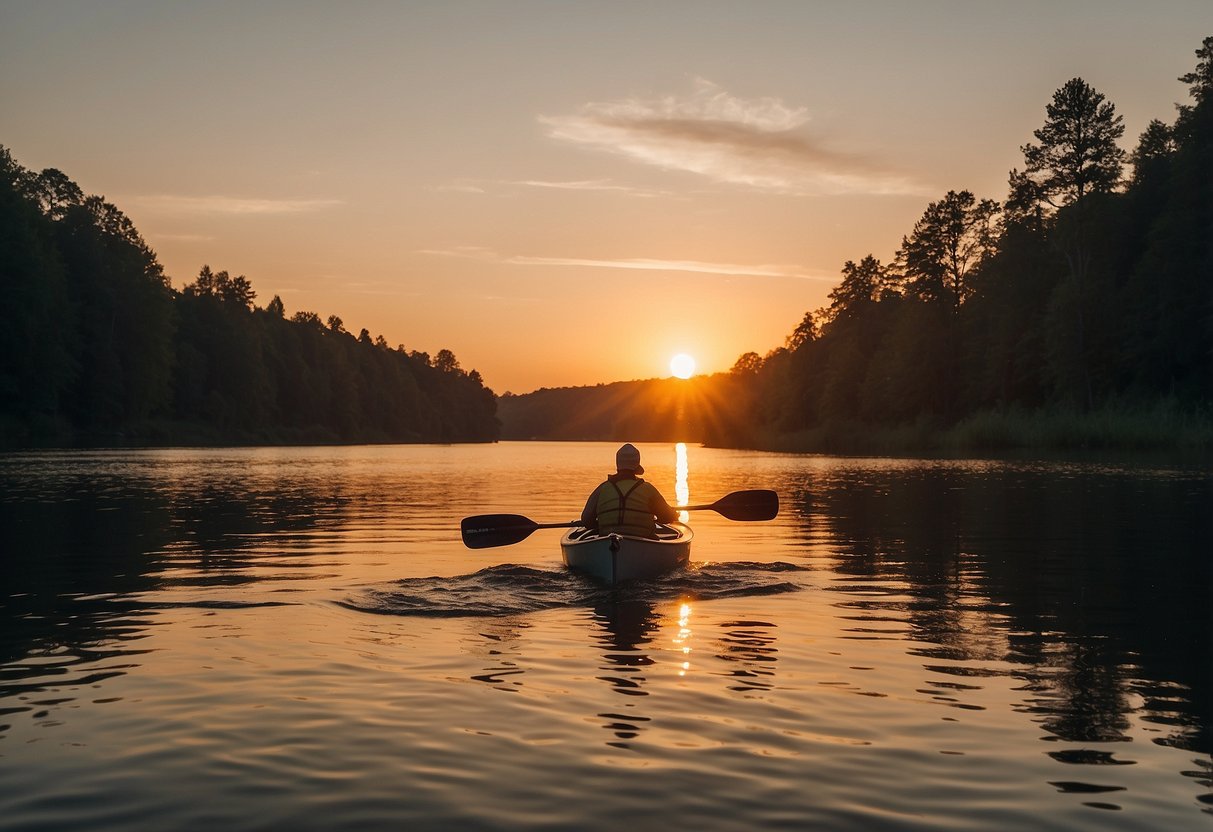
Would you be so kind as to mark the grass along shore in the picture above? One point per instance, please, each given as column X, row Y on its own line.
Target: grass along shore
column 1164, row 426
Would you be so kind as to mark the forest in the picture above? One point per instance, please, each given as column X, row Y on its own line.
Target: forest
column 99, row 349
column 1076, row 312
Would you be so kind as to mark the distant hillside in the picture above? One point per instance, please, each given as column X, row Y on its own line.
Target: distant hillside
column 700, row 409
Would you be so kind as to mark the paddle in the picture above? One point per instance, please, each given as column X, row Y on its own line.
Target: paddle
column 756, row 504
column 484, row 531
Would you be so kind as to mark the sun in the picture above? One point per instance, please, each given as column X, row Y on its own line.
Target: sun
column 682, row 365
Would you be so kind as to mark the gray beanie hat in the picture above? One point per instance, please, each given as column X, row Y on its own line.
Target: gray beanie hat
column 627, row 458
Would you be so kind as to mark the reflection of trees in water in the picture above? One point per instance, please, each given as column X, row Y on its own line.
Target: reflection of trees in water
column 1094, row 582
column 222, row 529
column 498, row 641
column 627, row 624
column 750, row 645
column 624, row 626
column 1079, row 692
column 81, row 554
column 68, row 567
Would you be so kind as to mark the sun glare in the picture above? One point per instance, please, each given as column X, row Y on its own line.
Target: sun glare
column 682, row 365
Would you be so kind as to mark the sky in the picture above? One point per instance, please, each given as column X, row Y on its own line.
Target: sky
column 561, row 193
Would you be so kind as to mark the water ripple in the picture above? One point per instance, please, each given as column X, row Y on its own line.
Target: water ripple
column 509, row 589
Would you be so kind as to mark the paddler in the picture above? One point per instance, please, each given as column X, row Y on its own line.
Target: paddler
column 626, row 504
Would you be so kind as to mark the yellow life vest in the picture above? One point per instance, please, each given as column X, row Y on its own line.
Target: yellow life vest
column 623, row 508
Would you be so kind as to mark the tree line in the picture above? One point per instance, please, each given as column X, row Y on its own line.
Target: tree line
column 97, row 346
column 1085, row 295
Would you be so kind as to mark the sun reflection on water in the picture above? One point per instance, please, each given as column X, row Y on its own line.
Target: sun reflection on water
column 682, row 489
column 683, row 637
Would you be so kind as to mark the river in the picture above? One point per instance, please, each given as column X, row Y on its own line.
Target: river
column 295, row 638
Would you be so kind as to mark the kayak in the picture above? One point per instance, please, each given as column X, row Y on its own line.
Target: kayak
column 614, row 558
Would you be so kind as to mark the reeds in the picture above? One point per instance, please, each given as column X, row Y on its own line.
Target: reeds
column 1162, row 426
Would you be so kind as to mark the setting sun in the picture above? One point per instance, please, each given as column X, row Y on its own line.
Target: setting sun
column 682, row 365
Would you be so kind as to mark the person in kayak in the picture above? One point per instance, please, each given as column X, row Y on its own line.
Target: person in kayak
column 626, row 504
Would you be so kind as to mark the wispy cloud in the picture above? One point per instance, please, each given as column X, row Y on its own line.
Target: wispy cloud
column 468, row 186
column 758, row 143
column 230, row 205
column 591, row 185
column 639, row 263
column 461, row 186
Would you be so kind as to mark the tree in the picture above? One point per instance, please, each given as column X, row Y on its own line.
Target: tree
column 446, row 362
column 1200, row 80
column 748, row 363
column 1024, row 207
column 1077, row 154
column 1077, row 159
column 1188, row 126
column 953, row 237
column 36, row 368
column 236, row 291
column 1171, row 291
column 309, row 319
column 124, row 327
column 54, row 192
column 862, row 285
column 1155, row 145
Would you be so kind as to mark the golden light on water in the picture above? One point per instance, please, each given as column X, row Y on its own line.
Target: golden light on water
column 683, row 637
column 682, row 488
column 682, row 365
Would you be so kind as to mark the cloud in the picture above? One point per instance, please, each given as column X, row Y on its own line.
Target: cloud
column 759, row 143
column 638, row 263
column 229, row 205
column 467, row 186
column 591, row 185
column 460, row 187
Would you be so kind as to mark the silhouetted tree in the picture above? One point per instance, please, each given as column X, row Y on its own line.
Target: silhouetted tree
column 1077, row 154
column 948, row 243
column 124, row 320
column 1077, row 159
column 237, row 291
column 861, row 286
column 446, row 362
column 36, row 368
column 1154, row 147
column 1199, row 80
column 748, row 363
column 54, row 193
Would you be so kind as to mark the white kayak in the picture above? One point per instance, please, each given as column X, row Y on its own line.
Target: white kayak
column 614, row 558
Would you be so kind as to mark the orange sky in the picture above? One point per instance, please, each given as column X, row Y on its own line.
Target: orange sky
column 559, row 192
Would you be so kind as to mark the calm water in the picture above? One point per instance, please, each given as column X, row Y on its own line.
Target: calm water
column 296, row 638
